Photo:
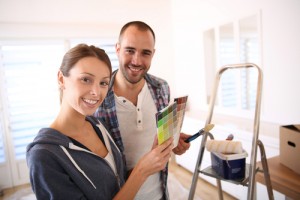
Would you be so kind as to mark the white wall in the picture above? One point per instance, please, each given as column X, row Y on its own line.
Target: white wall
column 281, row 54
column 91, row 18
column 78, row 19
column 179, row 26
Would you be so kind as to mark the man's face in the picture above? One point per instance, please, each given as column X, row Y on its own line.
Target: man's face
column 135, row 52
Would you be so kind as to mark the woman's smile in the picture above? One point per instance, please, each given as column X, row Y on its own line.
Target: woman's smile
column 90, row 101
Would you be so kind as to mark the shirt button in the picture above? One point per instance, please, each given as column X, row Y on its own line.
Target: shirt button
column 138, row 109
column 139, row 121
column 124, row 101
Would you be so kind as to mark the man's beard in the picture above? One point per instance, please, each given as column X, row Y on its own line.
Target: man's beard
column 136, row 79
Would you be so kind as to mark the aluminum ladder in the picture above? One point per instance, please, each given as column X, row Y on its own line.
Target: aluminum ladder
column 251, row 169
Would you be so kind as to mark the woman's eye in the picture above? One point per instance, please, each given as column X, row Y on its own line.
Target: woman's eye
column 86, row 80
column 104, row 83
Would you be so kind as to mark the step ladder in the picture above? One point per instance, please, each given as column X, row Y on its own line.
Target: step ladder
column 251, row 169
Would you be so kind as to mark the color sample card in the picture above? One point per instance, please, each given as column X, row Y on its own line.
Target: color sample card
column 181, row 105
column 170, row 119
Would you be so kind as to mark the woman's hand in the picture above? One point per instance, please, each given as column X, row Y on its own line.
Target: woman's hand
column 152, row 162
column 155, row 160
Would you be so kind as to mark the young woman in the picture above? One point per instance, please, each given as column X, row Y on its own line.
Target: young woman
column 75, row 158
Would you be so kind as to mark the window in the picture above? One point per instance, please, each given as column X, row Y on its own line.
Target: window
column 249, row 52
column 30, row 93
column 227, row 55
column 233, row 43
column 107, row 45
column 2, row 152
column 110, row 50
column 29, row 90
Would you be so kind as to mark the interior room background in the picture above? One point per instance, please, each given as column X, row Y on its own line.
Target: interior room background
column 187, row 46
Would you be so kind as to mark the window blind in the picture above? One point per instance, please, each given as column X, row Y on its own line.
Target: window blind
column 228, row 82
column 2, row 152
column 107, row 45
column 238, row 87
column 110, row 50
column 30, row 90
column 31, row 98
column 249, row 53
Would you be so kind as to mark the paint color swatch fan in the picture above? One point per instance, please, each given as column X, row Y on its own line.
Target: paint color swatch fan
column 169, row 120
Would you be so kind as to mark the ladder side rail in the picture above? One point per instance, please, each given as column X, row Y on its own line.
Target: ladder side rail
column 252, row 170
column 220, row 190
column 204, row 138
column 265, row 167
column 196, row 171
column 198, row 164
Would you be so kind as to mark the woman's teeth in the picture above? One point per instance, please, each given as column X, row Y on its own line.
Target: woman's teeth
column 89, row 101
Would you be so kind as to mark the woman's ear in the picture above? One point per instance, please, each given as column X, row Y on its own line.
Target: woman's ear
column 60, row 79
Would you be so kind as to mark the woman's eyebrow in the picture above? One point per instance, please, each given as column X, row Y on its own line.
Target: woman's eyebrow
column 87, row 73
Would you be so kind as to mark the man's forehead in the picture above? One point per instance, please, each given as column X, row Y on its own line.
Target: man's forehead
column 138, row 44
column 133, row 34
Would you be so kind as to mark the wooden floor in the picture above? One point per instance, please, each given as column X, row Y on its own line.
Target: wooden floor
column 204, row 190
column 10, row 194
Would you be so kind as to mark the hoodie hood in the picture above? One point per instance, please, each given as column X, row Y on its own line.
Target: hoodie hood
column 54, row 137
column 78, row 170
column 50, row 136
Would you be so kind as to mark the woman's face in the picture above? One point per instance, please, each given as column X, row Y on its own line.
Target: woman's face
column 86, row 86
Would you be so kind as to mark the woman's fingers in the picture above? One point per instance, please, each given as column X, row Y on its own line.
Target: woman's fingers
column 164, row 152
column 166, row 145
column 156, row 160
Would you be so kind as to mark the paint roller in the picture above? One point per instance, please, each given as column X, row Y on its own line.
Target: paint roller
column 224, row 146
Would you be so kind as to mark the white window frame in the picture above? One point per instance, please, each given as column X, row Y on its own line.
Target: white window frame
column 18, row 172
column 213, row 63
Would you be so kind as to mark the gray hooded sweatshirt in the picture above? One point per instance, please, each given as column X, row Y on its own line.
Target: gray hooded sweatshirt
column 61, row 168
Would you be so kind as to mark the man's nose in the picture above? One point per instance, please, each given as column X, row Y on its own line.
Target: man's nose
column 137, row 59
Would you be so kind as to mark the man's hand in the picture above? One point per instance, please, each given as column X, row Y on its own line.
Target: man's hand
column 182, row 146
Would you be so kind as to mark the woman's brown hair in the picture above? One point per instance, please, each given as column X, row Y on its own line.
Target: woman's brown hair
column 77, row 53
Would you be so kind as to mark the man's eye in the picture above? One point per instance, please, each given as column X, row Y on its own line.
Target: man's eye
column 147, row 53
column 129, row 51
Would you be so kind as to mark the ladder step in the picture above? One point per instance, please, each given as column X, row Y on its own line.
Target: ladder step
column 209, row 171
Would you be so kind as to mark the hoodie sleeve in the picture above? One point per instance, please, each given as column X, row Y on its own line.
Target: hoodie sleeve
column 48, row 179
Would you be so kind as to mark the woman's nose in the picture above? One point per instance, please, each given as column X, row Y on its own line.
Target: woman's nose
column 95, row 90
